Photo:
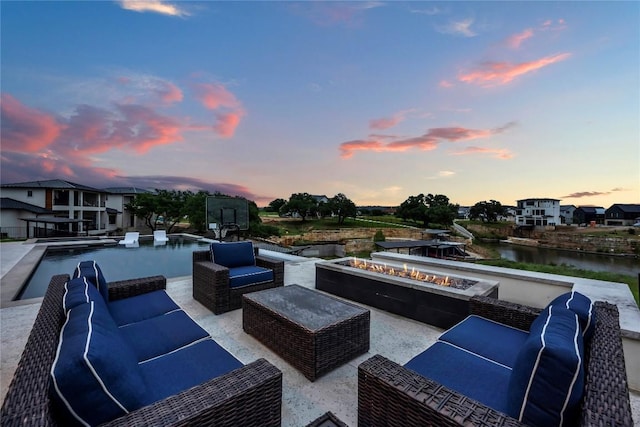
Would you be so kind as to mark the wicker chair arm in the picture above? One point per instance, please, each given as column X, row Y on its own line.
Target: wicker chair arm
column 248, row 396
column 132, row 287
column 508, row 313
column 201, row 256
column 391, row 395
column 273, row 264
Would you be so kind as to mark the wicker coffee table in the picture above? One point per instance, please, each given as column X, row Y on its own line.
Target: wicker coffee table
column 312, row 331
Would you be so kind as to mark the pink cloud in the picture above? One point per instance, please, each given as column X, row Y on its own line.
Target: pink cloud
column 26, row 129
column 499, row 73
column 130, row 127
column 428, row 141
column 516, row 40
column 389, row 122
column 497, row 153
column 170, row 93
column 214, row 96
column 445, row 84
column 229, row 111
column 227, row 123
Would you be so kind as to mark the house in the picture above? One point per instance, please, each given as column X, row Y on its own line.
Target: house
column 11, row 212
column 589, row 215
column 119, row 215
column 622, row 214
column 74, row 208
column 538, row 213
column 566, row 214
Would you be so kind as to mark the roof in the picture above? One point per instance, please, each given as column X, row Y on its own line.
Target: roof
column 630, row 208
column 59, row 184
column 539, row 198
column 9, row 203
column 55, row 220
column 126, row 190
column 592, row 209
column 397, row 244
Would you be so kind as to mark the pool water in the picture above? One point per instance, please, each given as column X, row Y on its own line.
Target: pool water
column 117, row 262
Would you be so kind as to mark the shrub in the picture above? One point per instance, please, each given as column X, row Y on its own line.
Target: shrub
column 379, row 236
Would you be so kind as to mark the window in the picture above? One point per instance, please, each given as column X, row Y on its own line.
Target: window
column 29, row 193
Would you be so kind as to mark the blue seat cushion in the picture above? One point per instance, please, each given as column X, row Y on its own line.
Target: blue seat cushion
column 477, row 378
column 79, row 291
column 95, row 375
column 547, row 381
column 233, row 254
column 91, row 270
column 180, row 370
column 141, row 307
column 487, row 338
column 582, row 306
column 162, row 334
column 242, row 276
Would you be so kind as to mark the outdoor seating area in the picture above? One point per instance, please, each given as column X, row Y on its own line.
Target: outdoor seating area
column 229, row 270
column 293, row 355
column 488, row 370
column 128, row 355
column 131, row 239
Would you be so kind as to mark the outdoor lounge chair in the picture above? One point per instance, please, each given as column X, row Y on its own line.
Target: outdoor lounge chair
column 393, row 395
column 130, row 238
column 250, row 395
column 160, row 237
column 220, row 284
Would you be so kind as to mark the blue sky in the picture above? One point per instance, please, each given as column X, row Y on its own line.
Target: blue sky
column 376, row 100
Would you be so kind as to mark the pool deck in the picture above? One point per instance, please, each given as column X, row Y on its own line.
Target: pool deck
column 393, row 336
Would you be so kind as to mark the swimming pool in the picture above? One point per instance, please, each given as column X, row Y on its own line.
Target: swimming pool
column 117, row 262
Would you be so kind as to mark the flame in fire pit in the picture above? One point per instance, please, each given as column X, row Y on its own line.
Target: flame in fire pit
column 405, row 272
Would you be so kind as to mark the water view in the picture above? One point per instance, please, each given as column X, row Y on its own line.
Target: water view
column 585, row 261
column 117, row 262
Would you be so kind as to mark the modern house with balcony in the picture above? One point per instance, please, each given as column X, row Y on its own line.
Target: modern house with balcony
column 538, row 213
column 119, row 215
column 71, row 209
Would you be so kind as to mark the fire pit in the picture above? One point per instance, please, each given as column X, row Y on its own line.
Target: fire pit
column 434, row 298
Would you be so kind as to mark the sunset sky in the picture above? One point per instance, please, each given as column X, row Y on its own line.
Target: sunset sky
column 376, row 100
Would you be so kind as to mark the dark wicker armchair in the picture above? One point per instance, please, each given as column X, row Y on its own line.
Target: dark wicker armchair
column 211, row 282
column 249, row 396
column 391, row 395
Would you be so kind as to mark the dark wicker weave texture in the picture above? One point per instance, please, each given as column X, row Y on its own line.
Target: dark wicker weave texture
column 211, row 282
column 249, row 396
column 328, row 419
column 390, row 395
column 313, row 353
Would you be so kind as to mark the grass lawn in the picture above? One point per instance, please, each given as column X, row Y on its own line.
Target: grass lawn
column 566, row 270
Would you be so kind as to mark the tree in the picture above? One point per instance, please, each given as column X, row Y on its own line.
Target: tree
column 302, row 204
column 275, row 205
column 144, row 206
column 341, row 206
column 428, row 209
column 195, row 209
column 487, row 211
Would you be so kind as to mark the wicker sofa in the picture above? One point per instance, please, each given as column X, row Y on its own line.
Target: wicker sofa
column 393, row 395
column 248, row 395
column 213, row 282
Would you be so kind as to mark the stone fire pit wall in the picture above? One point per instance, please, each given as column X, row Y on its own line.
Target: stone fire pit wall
column 441, row 306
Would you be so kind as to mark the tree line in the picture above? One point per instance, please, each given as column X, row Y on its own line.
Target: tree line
column 167, row 208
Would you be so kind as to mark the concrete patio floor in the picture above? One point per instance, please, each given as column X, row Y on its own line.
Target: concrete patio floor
column 393, row 336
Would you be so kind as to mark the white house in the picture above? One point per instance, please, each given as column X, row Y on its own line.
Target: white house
column 72, row 208
column 538, row 212
column 117, row 201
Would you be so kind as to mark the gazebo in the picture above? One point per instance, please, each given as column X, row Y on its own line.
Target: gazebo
column 51, row 220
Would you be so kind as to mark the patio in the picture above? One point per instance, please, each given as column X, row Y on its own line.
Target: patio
column 393, row 336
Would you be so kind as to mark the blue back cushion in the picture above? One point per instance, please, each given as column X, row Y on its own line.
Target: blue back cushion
column 233, row 254
column 141, row 307
column 547, row 380
column 91, row 270
column 583, row 307
column 79, row 291
column 95, row 376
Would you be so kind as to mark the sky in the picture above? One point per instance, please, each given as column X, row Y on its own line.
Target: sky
column 377, row 100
